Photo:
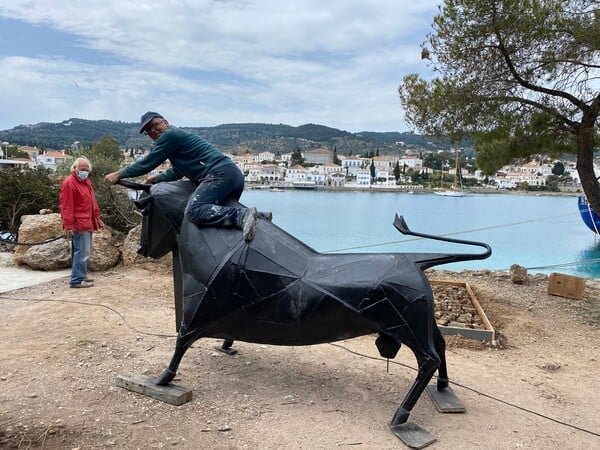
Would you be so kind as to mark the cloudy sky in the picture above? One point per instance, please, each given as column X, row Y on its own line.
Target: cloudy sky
column 208, row 62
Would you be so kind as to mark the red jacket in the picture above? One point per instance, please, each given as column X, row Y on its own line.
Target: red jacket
column 78, row 206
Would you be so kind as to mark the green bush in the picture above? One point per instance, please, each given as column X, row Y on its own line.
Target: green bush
column 23, row 192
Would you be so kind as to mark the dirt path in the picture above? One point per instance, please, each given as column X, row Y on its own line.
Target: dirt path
column 61, row 349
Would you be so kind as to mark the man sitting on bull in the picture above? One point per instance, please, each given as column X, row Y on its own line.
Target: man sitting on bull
column 216, row 176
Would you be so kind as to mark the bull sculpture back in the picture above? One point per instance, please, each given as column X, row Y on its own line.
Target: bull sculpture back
column 277, row 290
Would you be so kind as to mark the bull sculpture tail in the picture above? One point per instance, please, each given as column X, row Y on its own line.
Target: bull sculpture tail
column 427, row 260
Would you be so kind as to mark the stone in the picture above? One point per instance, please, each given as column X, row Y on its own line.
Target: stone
column 36, row 228
column 132, row 258
column 57, row 254
column 518, row 274
column 105, row 251
column 54, row 255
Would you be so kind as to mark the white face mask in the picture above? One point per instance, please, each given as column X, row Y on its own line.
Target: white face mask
column 83, row 174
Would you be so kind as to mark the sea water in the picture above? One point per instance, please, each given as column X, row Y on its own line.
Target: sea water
column 541, row 233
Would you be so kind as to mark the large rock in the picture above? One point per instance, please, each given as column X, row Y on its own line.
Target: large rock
column 132, row 258
column 57, row 254
column 52, row 256
column 36, row 228
column 105, row 251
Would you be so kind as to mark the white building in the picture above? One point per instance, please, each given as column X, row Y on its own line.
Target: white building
column 351, row 165
column 264, row 173
column 286, row 158
column 264, row 156
column 329, row 168
column 52, row 159
column 336, row 179
column 363, row 177
column 318, row 156
column 411, row 163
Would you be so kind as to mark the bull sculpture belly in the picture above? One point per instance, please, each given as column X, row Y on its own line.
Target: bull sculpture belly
column 277, row 290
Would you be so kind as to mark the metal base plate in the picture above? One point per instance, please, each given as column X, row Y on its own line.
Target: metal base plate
column 445, row 401
column 412, row 435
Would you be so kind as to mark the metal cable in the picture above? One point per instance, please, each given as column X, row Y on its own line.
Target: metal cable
column 447, row 234
column 10, row 241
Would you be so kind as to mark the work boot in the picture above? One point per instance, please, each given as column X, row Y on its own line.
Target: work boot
column 82, row 285
column 266, row 215
column 248, row 223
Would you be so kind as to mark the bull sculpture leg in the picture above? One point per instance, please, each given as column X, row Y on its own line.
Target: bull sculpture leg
column 226, row 347
column 183, row 343
column 427, row 368
column 428, row 361
column 440, row 347
column 427, row 365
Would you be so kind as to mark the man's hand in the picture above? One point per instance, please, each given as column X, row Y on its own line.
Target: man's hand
column 112, row 178
column 151, row 179
column 68, row 234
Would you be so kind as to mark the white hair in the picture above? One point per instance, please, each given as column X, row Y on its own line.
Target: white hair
column 75, row 164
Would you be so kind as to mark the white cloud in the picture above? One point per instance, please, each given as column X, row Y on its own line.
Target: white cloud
column 210, row 62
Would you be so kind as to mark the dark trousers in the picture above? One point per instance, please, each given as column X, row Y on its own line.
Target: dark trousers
column 205, row 205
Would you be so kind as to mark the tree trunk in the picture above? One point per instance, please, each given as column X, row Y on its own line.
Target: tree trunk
column 585, row 162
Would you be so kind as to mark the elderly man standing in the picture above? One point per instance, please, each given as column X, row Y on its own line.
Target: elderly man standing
column 215, row 175
column 80, row 216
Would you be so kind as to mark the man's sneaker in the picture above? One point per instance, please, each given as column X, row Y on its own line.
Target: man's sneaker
column 249, row 224
column 266, row 215
column 82, row 285
column 88, row 280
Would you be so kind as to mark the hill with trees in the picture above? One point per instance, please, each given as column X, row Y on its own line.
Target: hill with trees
column 235, row 138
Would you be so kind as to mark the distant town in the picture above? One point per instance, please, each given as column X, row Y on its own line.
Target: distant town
column 325, row 168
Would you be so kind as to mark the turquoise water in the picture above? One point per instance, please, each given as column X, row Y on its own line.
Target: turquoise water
column 536, row 232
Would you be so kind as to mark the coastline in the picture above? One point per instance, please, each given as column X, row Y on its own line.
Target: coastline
column 412, row 190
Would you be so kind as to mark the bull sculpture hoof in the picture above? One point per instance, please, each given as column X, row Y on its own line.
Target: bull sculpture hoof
column 400, row 417
column 166, row 377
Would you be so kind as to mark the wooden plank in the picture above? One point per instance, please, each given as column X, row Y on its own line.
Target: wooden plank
column 487, row 334
column 468, row 333
column 171, row 393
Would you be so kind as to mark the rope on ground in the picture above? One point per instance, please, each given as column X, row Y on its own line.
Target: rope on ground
column 3, row 297
column 512, row 405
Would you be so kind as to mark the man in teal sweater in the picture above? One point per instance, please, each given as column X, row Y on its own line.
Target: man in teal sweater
column 215, row 175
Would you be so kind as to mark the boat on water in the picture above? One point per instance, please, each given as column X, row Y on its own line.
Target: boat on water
column 455, row 191
column 304, row 185
column 450, row 193
column 589, row 217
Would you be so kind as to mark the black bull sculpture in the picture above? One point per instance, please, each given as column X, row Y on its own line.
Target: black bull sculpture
column 277, row 290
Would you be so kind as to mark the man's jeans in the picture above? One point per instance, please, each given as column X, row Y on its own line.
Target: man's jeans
column 81, row 250
column 204, row 207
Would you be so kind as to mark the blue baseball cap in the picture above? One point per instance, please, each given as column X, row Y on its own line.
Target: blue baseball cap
column 146, row 118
